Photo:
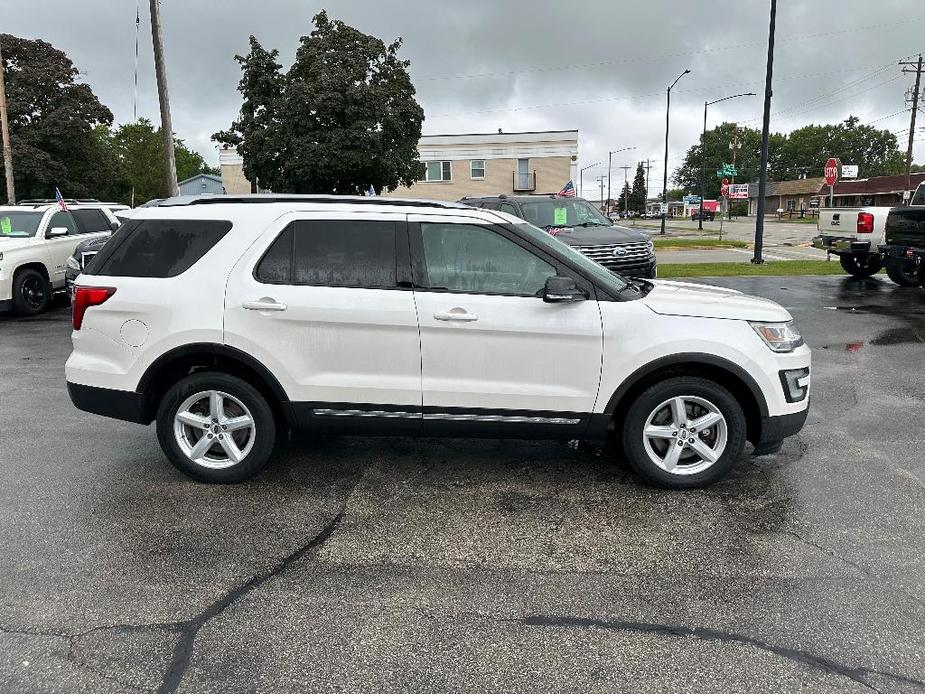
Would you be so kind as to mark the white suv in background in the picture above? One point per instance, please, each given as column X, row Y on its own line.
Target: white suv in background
column 227, row 320
column 36, row 240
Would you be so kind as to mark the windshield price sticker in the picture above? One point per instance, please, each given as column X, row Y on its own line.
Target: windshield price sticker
column 560, row 216
column 6, row 226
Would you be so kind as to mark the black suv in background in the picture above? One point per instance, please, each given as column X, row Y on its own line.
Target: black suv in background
column 576, row 222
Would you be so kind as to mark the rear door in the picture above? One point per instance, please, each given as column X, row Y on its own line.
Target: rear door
column 327, row 305
column 495, row 357
column 60, row 248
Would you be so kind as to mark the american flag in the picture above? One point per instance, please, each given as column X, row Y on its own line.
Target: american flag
column 60, row 200
column 568, row 191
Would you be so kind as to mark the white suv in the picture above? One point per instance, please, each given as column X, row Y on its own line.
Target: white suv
column 228, row 320
column 36, row 241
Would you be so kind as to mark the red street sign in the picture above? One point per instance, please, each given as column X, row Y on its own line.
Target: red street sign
column 724, row 188
column 831, row 171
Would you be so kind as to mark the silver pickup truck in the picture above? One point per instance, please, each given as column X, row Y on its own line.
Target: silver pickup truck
column 855, row 234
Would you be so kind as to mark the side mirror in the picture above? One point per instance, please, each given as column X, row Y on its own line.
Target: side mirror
column 562, row 290
column 115, row 225
column 57, row 231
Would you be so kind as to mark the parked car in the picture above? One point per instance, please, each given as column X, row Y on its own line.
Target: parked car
column 36, row 240
column 905, row 240
column 855, row 235
column 708, row 215
column 576, row 222
column 82, row 255
column 226, row 322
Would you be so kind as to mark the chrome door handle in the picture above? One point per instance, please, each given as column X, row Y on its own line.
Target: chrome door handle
column 264, row 305
column 456, row 315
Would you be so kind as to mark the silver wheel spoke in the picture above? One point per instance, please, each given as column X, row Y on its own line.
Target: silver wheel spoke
column 216, row 405
column 706, row 421
column 671, row 456
column 194, row 420
column 201, row 448
column 678, row 412
column 654, row 431
column 703, row 450
column 235, row 423
column 231, row 449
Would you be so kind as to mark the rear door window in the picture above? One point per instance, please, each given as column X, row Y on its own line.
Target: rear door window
column 157, row 247
column 90, row 221
column 63, row 220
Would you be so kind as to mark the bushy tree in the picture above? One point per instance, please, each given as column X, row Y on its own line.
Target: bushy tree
column 54, row 121
column 342, row 119
column 639, row 193
column 621, row 203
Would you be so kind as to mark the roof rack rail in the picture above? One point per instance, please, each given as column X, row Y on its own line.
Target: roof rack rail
column 268, row 198
column 51, row 201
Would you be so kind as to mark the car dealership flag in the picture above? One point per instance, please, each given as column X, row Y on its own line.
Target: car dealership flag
column 60, row 200
column 568, row 191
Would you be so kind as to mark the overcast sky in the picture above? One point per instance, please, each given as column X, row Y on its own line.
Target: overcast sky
column 601, row 66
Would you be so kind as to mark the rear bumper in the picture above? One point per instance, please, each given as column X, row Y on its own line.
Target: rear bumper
column 840, row 244
column 909, row 253
column 117, row 404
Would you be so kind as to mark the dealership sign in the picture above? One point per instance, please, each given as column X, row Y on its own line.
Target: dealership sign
column 738, row 191
column 849, row 171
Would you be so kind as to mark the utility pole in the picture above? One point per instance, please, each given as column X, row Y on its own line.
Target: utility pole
column 765, row 133
column 160, row 68
column 609, row 166
column 7, row 148
column 626, row 197
column 600, row 179
column 735, row 145
column 648, row 166
column 917, row 68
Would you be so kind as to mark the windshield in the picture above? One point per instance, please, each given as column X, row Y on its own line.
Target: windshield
column 19, row 224
column 562, row 212
column 609, row 280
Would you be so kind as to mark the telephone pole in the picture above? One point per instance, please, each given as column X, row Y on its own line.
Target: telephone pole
column 601, row 181
column 909, row 67
column 7, row 149
column 626, row 197
column 160, row 68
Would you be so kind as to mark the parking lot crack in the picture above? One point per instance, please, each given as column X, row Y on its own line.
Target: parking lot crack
column 859, row 675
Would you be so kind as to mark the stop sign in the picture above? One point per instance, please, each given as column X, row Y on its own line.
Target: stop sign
column 831, row 171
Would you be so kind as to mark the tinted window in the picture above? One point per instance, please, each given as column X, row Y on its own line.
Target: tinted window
column 90, row 221
column 157, row 247
column 352, row 253
column 491, row 205
column 509, row 208
column 276, row 265
column 467, row 258
column 62, row 219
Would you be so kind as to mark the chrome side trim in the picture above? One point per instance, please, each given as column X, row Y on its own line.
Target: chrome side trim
column 367, row 413
column 447, row 416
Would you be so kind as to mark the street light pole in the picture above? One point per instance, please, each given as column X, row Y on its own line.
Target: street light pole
column 703, row 150
column 667, row 124
column 581, row 176
column 765, row 131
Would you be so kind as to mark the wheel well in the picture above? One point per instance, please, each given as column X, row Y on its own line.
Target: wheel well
column 42, row 270
column 718, row 374
column 170, row 368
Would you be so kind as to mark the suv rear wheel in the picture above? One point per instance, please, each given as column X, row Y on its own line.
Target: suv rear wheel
column 902, row 272
column 684, row 432
column 31, row 292
column 861, row 265
column 216, row 428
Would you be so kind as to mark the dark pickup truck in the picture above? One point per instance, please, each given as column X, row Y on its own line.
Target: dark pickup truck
column 905, row 239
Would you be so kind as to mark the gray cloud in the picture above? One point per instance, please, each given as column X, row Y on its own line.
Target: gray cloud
column 600, row 66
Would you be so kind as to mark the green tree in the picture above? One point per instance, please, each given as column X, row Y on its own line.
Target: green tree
column 54, row 121
column 343, row 117
column 139, row 150
column 716, row 144
column 639, row 194
column 621, row 202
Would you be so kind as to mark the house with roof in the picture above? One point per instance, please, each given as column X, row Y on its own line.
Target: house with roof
column 202, row 184
column 789, row 196
column 886, row 191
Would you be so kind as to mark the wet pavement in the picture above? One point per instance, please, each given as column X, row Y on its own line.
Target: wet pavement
column 447, row 565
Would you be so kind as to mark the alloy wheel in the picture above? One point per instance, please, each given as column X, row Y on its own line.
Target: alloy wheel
column 685, row 435
column 214, row 429
column 32, row 291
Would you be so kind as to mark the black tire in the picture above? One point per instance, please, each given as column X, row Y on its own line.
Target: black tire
column 902, row 272
column 862, row 266
column 703, row 389
column 263, row 435
column 31, row 292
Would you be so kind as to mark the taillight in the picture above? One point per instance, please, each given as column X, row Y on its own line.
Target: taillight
column 84, row 298
column 865, row 223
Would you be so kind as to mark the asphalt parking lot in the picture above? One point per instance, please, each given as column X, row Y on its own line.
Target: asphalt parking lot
column 470, row 565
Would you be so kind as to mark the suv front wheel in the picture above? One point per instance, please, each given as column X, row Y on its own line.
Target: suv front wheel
column 684, row 432
column 215, row 427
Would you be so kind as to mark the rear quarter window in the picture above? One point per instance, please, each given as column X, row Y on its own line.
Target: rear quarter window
column 157, row 247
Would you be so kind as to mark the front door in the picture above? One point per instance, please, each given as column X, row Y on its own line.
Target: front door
column 327, row 306
column 493, row 353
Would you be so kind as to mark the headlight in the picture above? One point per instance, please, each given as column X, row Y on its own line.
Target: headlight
column 73, row 263
column 780, row 337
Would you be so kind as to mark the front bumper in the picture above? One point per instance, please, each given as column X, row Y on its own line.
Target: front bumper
column 908, row 253
column 775, row 429
column 841, row 244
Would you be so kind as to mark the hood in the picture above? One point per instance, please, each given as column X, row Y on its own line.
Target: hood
column 702, row 301
column 11, row 243
column 599, row 236
column 90, row 245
